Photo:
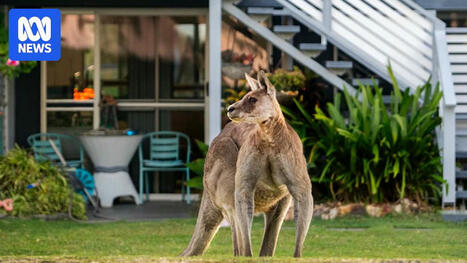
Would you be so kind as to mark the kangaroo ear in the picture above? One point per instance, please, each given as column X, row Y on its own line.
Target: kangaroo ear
column 254, row 85
column 265, row 83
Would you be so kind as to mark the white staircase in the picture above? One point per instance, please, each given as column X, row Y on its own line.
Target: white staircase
column 457, row 47
column 373, row 33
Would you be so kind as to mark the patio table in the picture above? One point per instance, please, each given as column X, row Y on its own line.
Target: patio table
column 111, row 155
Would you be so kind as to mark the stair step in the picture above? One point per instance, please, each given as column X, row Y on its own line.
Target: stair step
column 338, row 67
column 365, row 82
column 267, row 11
column 461, row 116
column 286, row 32
column 281, row 12
column 461, row 155
column 339, row 64
column 461, row 174
column 260, row 10
column 312, row 49
column 286, row 29
column 259, row 3
column 461, row 194
column 260, row 14
column 461, row 132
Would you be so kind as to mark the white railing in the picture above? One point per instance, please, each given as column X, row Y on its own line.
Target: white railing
column 376, row 32
column 457, row 47
column 379, row 31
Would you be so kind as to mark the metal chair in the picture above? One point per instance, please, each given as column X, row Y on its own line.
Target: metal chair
column 164, row 155
column 43, row 150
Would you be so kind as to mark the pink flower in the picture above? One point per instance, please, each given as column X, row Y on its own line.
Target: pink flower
column 13, row 63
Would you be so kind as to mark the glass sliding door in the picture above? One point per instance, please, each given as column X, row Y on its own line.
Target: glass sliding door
column 128, row 57
column 69, row 81
column 181, row 58
column 151, row 62
column 154, row 67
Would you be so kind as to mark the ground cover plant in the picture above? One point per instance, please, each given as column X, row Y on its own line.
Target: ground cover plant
column 363, row 150
column 36, row 188
column 423, row 237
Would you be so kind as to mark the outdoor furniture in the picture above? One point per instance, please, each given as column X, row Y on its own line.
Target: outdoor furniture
column 111, row 155
column 164, row 155
column 43, row 150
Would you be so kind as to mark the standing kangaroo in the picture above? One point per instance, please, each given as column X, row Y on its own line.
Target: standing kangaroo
column 255, row 165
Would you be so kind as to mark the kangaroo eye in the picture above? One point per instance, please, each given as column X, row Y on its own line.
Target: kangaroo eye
column 252, row 100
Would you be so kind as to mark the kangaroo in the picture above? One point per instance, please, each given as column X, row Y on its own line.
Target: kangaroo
column 255, row 165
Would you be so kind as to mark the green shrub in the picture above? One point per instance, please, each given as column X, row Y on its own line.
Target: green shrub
column 18, row 169
column 375, row 154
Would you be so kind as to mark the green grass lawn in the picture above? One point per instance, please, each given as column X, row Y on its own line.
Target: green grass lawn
column 422, row 237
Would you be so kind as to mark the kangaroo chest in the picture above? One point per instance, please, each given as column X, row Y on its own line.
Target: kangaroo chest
column 270, row 188
column 265, row 159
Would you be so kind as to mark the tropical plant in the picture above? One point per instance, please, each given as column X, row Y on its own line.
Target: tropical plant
column 374, row 153
column 36, row 188
column 197, row 166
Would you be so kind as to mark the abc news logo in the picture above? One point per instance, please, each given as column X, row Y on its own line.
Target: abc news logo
column 34, row 34
column 43, row 32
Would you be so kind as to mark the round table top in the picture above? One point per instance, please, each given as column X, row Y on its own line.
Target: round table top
column 110, row 150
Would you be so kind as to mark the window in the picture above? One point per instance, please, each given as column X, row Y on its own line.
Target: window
column 73, row 73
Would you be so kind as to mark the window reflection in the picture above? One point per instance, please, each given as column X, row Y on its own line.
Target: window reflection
column 73, row 73
column 139, row 52
column 128, row 57
column 181, row 53
column 61, row 121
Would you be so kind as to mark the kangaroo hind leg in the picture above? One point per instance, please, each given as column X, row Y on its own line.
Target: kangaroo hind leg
column 209, row 219
column 273, row 222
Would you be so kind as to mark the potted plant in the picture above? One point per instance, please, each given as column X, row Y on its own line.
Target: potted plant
column 287, row 83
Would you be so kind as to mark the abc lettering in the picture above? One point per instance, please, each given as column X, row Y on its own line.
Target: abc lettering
column 34, row 34
column 43, row 33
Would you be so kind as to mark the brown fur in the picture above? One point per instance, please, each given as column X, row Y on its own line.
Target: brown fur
column 255, row 165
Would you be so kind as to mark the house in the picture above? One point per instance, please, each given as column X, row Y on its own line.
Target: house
column 162, row 61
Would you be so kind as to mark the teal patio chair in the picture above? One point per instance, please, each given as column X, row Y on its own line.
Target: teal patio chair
column 164, row 155
column 43, row 150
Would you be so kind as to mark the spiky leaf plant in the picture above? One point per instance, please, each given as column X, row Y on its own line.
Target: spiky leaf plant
column 374, row 152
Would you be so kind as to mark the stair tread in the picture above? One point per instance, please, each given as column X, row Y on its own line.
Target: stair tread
column 461, row 194
column 260, row 10
column 461, row 132
column 461, row 116
column 286, row 29
column 339, row 64
column 281, row 12
column 259, row 3
column 312, row 47
column 461, row 174
column 364, row 81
